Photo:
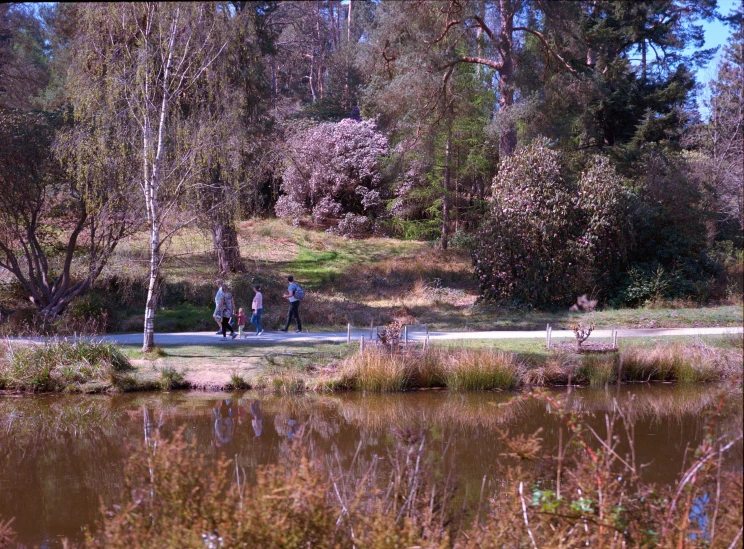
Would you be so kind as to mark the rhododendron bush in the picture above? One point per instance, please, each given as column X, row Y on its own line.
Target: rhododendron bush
column 331, row 174
column 547, row 239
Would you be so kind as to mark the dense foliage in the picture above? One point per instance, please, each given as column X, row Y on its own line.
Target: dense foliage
column 547, row 240
column 332, row 173
column 267, row 108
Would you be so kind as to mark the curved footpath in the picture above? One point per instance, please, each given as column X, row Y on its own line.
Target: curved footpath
column 209, row 338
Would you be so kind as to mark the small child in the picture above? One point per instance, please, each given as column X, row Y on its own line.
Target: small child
column 241, row 322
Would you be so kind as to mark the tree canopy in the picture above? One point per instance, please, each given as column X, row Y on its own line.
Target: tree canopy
column 563, row 137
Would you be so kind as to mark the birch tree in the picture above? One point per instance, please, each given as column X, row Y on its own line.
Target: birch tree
column 132, row 68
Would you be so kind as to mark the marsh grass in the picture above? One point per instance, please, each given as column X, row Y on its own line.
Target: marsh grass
column 482, row 370
column 377, row 371
column 62, row 365
column 461, row 370
column 288, row 383
column 598, row 370
column 237, row 382
column 697, row 362
column 555, row 370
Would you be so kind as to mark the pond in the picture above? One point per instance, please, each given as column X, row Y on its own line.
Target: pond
column 61, row 456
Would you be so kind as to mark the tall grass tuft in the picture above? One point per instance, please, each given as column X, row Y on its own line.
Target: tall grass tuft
column 482, row 370
column 237, row 382
column 170, row 379
column 680, row 362
column 427, row 369
column 554, row 371
column 376, row 371
column 598, row 370
column 62, row 365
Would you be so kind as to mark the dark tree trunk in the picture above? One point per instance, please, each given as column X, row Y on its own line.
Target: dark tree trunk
column 508, row 140
column 225, row 240
column 445, row 199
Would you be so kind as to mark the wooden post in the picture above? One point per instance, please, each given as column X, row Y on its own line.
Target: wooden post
column 405, row 335
column 547, row 336
column 550, row 337
column 348, row 332
column 614, row 338
column 361, row 345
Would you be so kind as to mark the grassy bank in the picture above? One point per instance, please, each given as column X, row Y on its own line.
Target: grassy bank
column 61, row 365
column 581, row 493
column 347, row 281
column 288, row 367
column 488, row 369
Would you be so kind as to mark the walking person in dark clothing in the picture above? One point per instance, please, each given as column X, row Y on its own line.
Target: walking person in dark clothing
column 294, row 304
column 226, row 306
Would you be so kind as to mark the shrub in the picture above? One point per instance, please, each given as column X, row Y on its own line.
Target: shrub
column 7, row 535
column 545, row 240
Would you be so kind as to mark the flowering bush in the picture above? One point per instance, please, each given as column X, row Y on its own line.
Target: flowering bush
column 547, row 241
column 332, row 173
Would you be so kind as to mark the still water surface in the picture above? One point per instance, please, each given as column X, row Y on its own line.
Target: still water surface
column 61, row 456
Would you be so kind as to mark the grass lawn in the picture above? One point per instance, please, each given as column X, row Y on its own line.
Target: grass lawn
column 372, row 280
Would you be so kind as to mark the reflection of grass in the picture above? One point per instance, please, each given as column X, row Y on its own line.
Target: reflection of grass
column 290, row 499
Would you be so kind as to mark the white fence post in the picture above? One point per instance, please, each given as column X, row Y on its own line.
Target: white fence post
column 361, row 345
column 348, row 332
column 405, row 335
column 547, row 336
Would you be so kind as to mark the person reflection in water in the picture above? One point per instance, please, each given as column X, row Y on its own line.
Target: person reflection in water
column 226, row 414
column 291, row 429
column 257, row 422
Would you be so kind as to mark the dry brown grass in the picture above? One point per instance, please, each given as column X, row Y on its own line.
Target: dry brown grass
column 681, row 362
column 555, row 371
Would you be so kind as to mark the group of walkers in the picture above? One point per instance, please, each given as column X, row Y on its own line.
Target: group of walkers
column 224, row 310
